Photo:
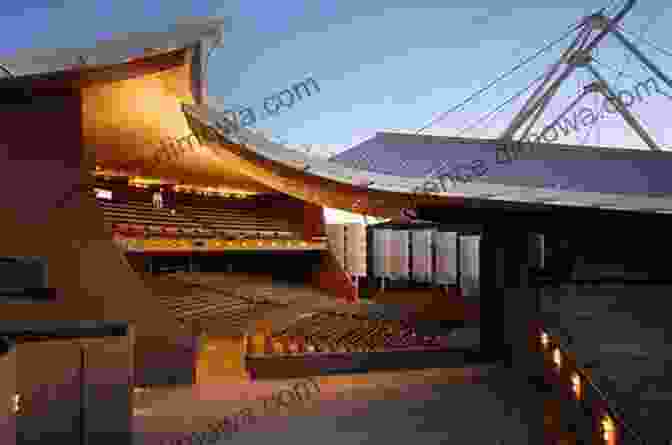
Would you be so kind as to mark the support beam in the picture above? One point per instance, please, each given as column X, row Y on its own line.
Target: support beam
column 541, row 102
column 642, row 58
column 627, row 116
column 533, row 101
column 576, row 101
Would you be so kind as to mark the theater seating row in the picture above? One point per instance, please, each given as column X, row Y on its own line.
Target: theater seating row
column 235, row 218
column 141, row 219
column 202, row 310
column 256, row 287
column 330, row 332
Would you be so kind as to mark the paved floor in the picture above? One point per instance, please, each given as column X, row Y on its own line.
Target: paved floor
column 442, row 406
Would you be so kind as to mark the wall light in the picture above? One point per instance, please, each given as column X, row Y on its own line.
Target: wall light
column 545, row 340
column 557, row 357
column 608, row 430
column 16, row 403
column 576, row 385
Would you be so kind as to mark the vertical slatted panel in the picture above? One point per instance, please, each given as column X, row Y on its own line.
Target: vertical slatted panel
column 399, row 254
column 422, row 255
column 446, row 257
column 470, row 265
column 336, row 239
column 356, row 249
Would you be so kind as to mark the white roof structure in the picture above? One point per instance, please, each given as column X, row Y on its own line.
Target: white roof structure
column 187, row 33
column 500, row 185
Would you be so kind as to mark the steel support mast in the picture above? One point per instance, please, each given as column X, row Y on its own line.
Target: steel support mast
column 579, row 55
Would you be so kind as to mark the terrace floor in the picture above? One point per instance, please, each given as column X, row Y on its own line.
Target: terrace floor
column 476, row 405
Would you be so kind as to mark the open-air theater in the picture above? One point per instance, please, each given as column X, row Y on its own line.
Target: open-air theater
column 542, row 256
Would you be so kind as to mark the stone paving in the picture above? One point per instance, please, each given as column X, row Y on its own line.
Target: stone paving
column 455, row 406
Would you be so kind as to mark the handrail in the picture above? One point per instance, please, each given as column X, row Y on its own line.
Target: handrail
column 614, row 412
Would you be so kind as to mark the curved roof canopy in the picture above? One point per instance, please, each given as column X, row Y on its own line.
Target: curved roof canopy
column 544, row 173
column 143, row 112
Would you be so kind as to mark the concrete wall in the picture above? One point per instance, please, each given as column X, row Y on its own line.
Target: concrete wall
column 323, row 364
column 84, row 391
column 46, row 212
column 220, row 357
column 429, row 304
column 330, row 277
column 49, row 384
column 108, row 394
column 7, row 391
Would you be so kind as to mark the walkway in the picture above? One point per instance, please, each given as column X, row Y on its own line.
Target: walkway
column 438, row 406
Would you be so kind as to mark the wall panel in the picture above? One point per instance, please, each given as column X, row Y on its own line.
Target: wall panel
column 51, row 395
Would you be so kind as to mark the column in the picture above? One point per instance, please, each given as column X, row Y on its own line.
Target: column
column 508, row 306
column 508, row 299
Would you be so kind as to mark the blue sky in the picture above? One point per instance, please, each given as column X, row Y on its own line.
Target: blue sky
column 388, row 65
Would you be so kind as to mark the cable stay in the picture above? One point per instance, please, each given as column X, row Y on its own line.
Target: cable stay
column 499, row 78
column 590, row 31
column 580, row 55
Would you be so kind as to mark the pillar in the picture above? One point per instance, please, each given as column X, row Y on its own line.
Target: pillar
column 268, row 342
column 508, row 312
column 509, row 302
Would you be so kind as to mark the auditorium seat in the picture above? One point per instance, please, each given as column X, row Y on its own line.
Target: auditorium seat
column 331, row 332
column 142, row 213
column 236, row 220
column 203, row 217
column 202, row 308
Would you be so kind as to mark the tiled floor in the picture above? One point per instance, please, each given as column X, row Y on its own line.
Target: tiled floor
column 442, row 406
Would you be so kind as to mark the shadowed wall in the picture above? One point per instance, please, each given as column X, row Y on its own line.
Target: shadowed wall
column 48, row 213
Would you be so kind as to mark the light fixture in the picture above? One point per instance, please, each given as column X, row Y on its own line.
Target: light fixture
column 557, row 357
column 16, row 403
column 544, row 340
column 576, row 385
column 608, row 430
